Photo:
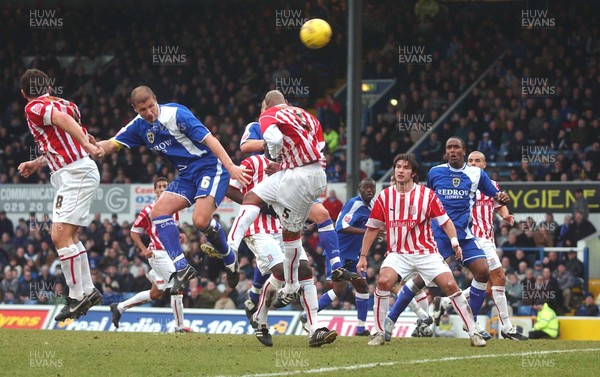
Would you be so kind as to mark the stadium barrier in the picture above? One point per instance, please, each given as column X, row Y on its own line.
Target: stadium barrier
column 209, row 321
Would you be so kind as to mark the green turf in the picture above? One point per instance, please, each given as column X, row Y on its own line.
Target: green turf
column 66, row 353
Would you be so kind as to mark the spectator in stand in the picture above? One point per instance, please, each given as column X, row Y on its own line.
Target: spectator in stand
column 329, row 111
column 551, row 225
column 566, row 281
column 487, row 147
column 433, row 150
column 561, row 233
column 210, row 295
column 542, row 236
column 580, row 204
column 574, row 265
column 578, row 230
column 333, row 205
column 332, row 138
column 6, row 225
column 514, row 292
column 588, row 307
column 367, row 165
column 554, row 293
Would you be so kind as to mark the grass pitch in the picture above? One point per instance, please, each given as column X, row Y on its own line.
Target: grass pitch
column 66, row 353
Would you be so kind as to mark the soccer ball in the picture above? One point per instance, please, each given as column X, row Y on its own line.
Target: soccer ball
column 315, row 33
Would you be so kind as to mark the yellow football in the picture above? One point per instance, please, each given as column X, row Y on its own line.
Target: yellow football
column 315, row 33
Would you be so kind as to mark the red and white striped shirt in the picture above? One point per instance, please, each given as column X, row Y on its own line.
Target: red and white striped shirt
column 302, row 135
column 143, row 223
column 57, row 146
column 483, row 215
column 407, row 219
column 264, row 224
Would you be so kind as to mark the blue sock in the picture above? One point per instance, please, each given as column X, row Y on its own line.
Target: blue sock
column 330, row 244
column 401, row 303
column 476, row 301
column 215, row 234
column 362, row 308
column 257, row 282
column 168, row 234
column 326, row 299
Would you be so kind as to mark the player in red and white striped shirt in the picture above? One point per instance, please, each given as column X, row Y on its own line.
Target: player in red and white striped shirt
column 265, row 240
column 295, row 132
column 297, row 137
column 64, row 144
column 483, row 229
column 406, row 210
column 160, row 262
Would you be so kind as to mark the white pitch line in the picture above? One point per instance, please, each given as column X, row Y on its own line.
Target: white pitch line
column 412, row 362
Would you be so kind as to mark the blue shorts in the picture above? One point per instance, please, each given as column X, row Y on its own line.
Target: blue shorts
column 351, row 266
column 470, row 249
column 199, row 181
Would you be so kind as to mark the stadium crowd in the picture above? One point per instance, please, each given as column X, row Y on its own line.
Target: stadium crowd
column 221, row 77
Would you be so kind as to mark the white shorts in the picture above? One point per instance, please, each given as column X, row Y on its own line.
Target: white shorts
column 268, row 250
column 292, row 192
column 427, row 265
column 489, row 248
column 76, row 185
column 162, row 268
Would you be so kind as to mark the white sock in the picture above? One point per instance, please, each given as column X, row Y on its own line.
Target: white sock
column 461, row 306
column 70, row 262
column 248, row 213
column 177, row 306
column 415, row 307
column 139, row 299
column 291, row 250
column 467, row 292
column 86, row 275
column 421, row 299
column 500, row 300
column 271, row 287
column 310, row 303
column 446, row 302
column 381, row 308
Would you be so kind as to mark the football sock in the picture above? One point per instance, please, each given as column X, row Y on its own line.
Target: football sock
column 405, row 296
column 477, row 297
column 168, row 234
column 461, row 306
column 499, row 296
column 177, row 306
column 248, row 213
column 291, row 250
column 86, row 276
column 380, row 308
column 215, row 234
column 70, row 262
column 309, row 302
column 362, row 308
column 327, row 299
column 139, row 299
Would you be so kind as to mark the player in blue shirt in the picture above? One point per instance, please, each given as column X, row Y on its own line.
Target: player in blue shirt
column 204, row 170
column 252, row 142
column 456, row 185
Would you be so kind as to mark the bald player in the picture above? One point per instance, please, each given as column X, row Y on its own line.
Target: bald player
column 204, row 170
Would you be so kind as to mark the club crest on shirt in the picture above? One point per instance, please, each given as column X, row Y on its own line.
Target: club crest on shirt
column 455, row 182
column 412, row 210
column 150, row 136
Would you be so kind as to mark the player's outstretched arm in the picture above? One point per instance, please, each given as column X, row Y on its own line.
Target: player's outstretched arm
column 506, row 215
column 450, row 231
column 70, row 126
column 236, row 172
column 252, row 146
column 27, row 168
